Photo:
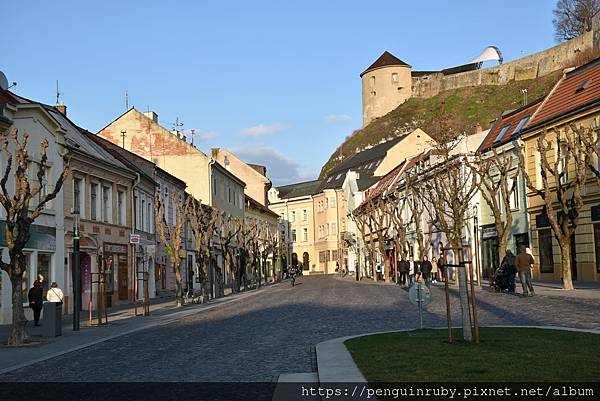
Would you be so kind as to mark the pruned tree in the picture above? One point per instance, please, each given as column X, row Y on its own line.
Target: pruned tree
column 23, row 206
column 498, row 179
column 363, row 222
column 447, row 189
column 573, row 17
column 378, row 211
column 202, row 221
column 400, row 224
column 247, row 236
column 171, row 234
column 564, row 171
column 228, row 228
column 417, row 208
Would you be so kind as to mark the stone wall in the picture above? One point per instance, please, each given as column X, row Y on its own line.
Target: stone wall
column 536, row 65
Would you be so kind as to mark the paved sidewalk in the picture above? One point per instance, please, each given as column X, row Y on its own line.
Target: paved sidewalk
column 121, row 322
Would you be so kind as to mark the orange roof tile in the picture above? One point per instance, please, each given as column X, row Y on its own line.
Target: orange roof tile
column 577, row 89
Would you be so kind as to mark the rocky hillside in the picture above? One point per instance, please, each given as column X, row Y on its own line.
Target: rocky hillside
column 460, row 110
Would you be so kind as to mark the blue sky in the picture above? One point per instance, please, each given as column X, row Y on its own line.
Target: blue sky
column 275, row 81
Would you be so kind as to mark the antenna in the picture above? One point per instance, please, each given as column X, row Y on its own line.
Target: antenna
column 177, row 124
column 57, row 93
column 126, row 100
column 193, row 131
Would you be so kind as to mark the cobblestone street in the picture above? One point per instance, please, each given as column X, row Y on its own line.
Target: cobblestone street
column 275, row 331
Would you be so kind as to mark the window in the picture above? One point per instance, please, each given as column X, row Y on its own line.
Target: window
column 501, row 133
column 333, row 229
column 106, row 205
column 545, row 248
column 143, row 214
column 372, row 81
column 136, row 210
column 44, row 186
column 94, row 202
column 332, row 202
column 334, row 255
column 322, row 256
column 521, row 125
column 77, row 195
column 539, row 184
column 564, row 159
column 394, row 77
column 121, row 208
column 304, row 215
column 294, row 235
column 293, row 216
column 513, row 187
column 229, row 194
column 43, row 267
column 26, row 281
column 597, row 245
column 149, row 217
column 305, row 234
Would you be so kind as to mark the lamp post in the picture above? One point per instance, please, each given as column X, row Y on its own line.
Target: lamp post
column 76, row 272
column 476, row 243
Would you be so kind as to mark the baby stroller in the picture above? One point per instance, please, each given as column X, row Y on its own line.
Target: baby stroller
column 500, row 281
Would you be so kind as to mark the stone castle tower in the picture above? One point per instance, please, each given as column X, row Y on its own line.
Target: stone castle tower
column 386, row 84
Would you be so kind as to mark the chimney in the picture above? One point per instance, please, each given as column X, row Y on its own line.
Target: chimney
column 62, row 109
column 214, row 153
column 478, row 128
column 151, row 115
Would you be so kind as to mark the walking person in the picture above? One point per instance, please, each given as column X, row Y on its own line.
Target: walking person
column 524, row 262
column 434, row 271
column 54, row 294
column 510, row 267
column 36, row 299
column 442, row 267
column 411, row 270
column 426, row 270
column 403, row 269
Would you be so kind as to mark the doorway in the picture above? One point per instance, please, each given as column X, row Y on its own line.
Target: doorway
column 305, row 261
column 123, row 278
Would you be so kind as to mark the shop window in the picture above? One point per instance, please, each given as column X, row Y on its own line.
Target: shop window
column 545, row 248
column 43, row 268
column 597, row 245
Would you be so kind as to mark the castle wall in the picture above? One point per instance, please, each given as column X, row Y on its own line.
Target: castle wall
column 529, row 67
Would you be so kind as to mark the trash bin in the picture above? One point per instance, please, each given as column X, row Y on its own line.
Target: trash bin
column 52, row 319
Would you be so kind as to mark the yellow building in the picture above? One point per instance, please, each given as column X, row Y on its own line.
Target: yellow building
column 575, row 99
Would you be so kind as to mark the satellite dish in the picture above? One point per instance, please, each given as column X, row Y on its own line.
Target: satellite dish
column 3, row 81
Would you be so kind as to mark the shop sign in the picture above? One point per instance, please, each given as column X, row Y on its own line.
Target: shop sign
column 489, row 232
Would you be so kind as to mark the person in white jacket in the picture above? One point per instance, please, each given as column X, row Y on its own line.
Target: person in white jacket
column 54, row 294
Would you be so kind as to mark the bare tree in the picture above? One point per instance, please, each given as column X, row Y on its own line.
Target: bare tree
column 380, row 217
column 564, row 170
column 202, row 220
column 363, row 221
column 494, row 172
column 573, row 17
column 22, row 208
column 417, row 208
column 447, row 190
column 228, row 228
column 400, row 224
column 171, row 236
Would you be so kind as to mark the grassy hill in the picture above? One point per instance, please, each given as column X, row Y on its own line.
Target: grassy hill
column 459, row 109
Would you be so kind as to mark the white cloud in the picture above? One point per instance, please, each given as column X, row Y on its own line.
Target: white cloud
column 280, row 169
column 264, row 129
column 336, row 118
column 200, row 135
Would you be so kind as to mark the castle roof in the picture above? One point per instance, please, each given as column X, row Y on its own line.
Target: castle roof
column 385, row 60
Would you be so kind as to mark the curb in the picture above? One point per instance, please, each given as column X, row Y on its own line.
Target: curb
column 161, row 321
column 336, row 365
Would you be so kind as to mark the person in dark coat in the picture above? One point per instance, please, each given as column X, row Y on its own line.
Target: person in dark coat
column 510, row 267
column 403, row 271
column 426, row 270
column 36, row 300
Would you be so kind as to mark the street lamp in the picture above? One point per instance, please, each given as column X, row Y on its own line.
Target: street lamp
column 76, row 272
column 476, row 243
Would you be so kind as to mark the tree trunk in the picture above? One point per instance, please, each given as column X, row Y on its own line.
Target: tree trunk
column 502, row 240
column 17, row 334
column 219, row 286
column 178, row 286
column 565, row 260
column 463, row 295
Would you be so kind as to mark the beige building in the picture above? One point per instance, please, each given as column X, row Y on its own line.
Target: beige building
column 295, row 206
column 575, row 99
column 330, row 221
column 386, row 84
column 207, row 180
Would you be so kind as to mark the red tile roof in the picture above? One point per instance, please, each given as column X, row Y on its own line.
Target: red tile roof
column 510, row 120
column 577, row 89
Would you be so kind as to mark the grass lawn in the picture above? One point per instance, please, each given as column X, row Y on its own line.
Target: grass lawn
column 504, row 354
